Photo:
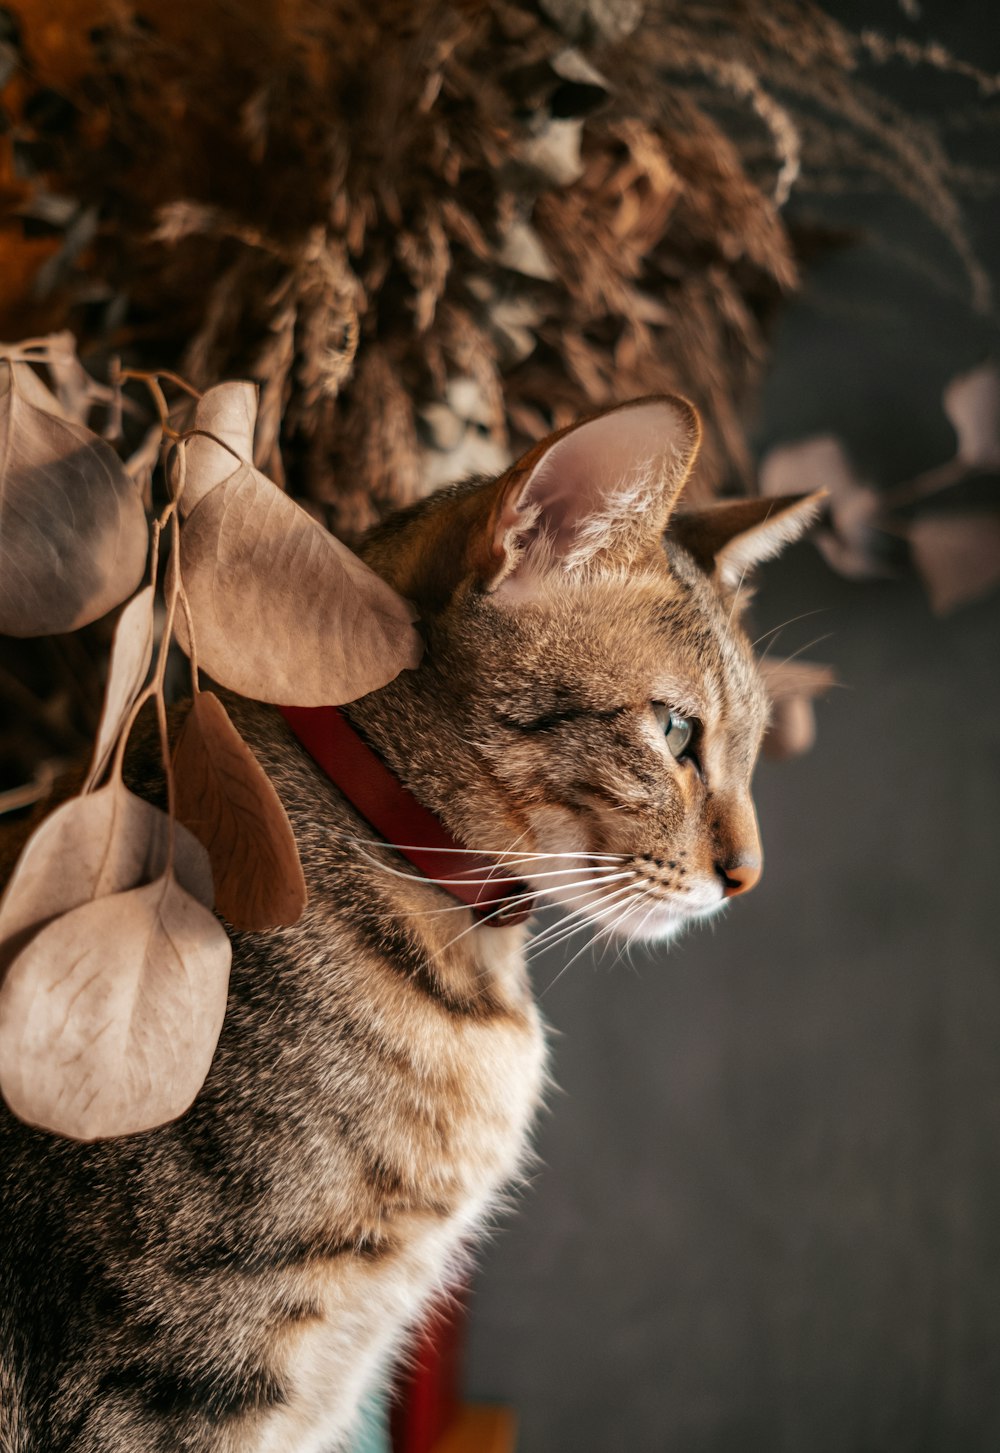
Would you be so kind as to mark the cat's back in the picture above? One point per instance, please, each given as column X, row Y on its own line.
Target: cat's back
column 231, row 1281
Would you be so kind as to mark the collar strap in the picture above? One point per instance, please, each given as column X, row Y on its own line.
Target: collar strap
column 372, row 787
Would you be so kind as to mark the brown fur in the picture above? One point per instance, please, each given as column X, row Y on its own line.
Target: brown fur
column 233, row 1281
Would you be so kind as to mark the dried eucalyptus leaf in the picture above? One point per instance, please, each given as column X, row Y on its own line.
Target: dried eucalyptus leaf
column 226, row 799
column 76, row 390
column 34, row 391
column 972, row 404
column 283, row 611
column 131, row 653
column 957, row 555
column 89, row 848
column 792, row 687
column 73, row 535
column 791, row 729
column 785, row 679
column 228, row 411
column 110, row 1017
column 852, row 546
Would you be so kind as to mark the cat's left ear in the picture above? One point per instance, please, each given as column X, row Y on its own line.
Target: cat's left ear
column 604, row 487
column 727, row 540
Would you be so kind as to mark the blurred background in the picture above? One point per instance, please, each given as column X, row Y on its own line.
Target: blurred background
column 766, row 1213
column 766, row 1208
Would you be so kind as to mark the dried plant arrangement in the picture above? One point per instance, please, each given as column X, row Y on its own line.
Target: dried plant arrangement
column 430, row 233
column 115, row 967
column 948, row 516
column 433, row 232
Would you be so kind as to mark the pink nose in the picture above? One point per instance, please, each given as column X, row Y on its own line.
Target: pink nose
column 739, row 877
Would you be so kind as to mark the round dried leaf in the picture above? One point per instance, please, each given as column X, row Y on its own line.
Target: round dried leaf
column 792, row 687
column 110, row 1017
column 91, row 847
column 791, row 730
column 972, row 404
column 957, row 556
column 229, row 411
column 131, row 653
column 227, row 800
column 73, row 535
column 283, row 611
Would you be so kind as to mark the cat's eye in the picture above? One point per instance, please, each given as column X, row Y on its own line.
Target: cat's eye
column 678, row 730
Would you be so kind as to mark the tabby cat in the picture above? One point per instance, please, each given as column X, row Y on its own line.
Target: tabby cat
column 588, row 712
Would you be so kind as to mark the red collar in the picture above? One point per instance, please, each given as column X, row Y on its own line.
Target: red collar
column 393, row 811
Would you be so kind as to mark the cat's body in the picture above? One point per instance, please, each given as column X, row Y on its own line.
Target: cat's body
column 232, row 1282
column 235, row 1280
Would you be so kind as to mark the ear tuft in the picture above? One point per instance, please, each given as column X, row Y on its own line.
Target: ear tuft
column 727, row 540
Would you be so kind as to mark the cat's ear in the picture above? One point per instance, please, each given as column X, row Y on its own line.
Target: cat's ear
column 727, row 540
column 604, row 487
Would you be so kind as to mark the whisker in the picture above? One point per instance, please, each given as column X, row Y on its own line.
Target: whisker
column 524, row 854
column 790, row 622
column 594, row 938
column 568, row 924
column 464, row 882
column 626, row 945
column 508, row 902
column 417, row 876
column 808, row 645
column 624, row 908
column 487, row 916
column 616, row 923
column 497, row 866
column 580, row 925
column 564, row 928
column 736, row 595
column 637, row 936
column 560, row 930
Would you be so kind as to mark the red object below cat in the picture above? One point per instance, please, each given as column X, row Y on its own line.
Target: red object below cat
column 428, row 1400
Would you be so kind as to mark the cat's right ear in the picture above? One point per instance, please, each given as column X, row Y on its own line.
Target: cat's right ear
column 601, row 490
column 729, row 538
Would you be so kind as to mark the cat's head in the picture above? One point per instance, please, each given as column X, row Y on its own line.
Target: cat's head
column 587, row 692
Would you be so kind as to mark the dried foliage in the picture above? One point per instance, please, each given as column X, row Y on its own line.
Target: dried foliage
column 110, row 1013
column 115, row 969
column 285, row 612
column 131, row 655
column 432, row 232
column 63, row 491
column 949, row 517
column 226, row 799
column 793, row 686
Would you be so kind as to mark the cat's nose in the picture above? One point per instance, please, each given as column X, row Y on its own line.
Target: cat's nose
column 739, row 875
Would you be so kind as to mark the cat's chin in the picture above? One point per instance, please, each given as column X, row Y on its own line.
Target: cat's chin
column 658, row 925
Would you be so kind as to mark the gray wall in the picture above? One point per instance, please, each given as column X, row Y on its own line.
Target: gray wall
column 767, row 1213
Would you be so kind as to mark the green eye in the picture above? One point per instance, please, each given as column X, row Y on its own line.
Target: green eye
column 678, row 731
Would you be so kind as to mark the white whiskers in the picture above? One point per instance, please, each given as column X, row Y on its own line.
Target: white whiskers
column 579, row 892
column 372, row 842
column 593, row 891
